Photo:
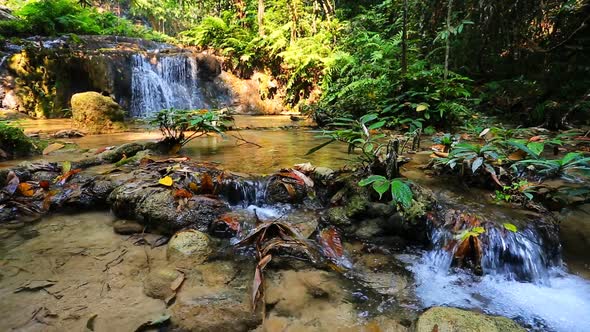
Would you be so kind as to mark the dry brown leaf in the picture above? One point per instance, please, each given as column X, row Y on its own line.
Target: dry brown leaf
column 52, row 148
column 517, row 155
column 177, row 282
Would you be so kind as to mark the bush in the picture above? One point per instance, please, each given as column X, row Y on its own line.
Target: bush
column 13, row 141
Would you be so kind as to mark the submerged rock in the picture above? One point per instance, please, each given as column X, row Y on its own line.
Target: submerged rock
column 157, row 283
column 96, row 113
column 189, row 248
column 218, row 312
column 456, row 320
column 127, row 227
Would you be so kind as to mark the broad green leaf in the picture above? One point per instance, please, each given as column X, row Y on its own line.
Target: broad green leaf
column 66, row 166
column 510, row 227
column 377, row 125
column 476, row 164
column 569, row 157
column 478, row 230
column 536, row 147
column 401, row 193
column 381, row 187
column 371, row 179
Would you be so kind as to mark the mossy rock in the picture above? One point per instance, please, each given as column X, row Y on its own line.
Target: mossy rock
column 14, row 143
column 456, row 320
column 96, row 113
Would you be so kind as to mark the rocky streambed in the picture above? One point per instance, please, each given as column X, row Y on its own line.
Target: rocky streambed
column 191, row 247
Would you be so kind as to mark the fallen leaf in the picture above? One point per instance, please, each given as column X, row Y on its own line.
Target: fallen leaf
column 331, row 244
column 510, row 227
column 193, row 186
column 52, row 148
column 258, row 280
column 182, row 193
column 12, row 182
column 64, row 178
column 440, row 154
column 290, row 189
column 177, row 282
column 484, row 132
column 206, row 184
column 308, row 182
column 44, row 184
column 439, row 148
column 26, row 189
column 166, row 181
column 35, row 285
column 66, row 166
column 535, row 139
column 153, row 323
column 90, row 322
column 517, row 155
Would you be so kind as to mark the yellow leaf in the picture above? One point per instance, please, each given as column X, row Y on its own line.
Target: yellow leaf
column 193, row 186
column 52, row 147
column 66, row 166
column 166, row 181
column 421, row 107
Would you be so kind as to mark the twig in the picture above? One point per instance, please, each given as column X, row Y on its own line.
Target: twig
column 116, row 261
column 240, row 138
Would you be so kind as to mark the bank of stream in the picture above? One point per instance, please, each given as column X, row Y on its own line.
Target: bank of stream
column 70, row 271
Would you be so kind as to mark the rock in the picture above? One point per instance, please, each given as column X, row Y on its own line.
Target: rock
column 209, row 66
column 158, row 281
column 337, row 216
column 127, row 227
column 96, row 113
column 189, row 248
column 68, row 133
column 218, row 312
column 456, row 320
column 6, row 13
column 278, row 191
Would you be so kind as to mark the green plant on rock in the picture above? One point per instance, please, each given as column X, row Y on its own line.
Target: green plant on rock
column 13, row 141
column 181, row 126
column 475, row 156
column 572, row 164
column 515, row 192
column 400, row 191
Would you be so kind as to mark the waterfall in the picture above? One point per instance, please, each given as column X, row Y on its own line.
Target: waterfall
column 170, row 82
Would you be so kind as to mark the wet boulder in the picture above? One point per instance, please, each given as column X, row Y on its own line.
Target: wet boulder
column 157, row 208
column 127, row 227
column 456, row 320
column 189, row 248
column 96, row 113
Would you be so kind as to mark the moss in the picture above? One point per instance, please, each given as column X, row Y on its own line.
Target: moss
column 455, row 320
column 96, row 113
column 14, row 142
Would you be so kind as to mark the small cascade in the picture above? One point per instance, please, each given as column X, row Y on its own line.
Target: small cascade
column 517, row 256
column 170, row 82
column 522, row 279
column 245, row 193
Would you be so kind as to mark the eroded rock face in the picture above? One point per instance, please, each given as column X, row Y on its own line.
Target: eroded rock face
column 96, row 113
column 457, row 320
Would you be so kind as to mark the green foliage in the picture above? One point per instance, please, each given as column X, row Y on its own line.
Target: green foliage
column 361, row 135
column 475, row 156
column 516, row 191
column 400, row 191
column 181, row 126
column 572, row 164
column 54, row 17
column 13, row 140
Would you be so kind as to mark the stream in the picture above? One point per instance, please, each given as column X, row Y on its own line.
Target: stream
column 69, row 257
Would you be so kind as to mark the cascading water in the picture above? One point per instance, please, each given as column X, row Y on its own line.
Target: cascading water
column 520, row 280
column 171, row 82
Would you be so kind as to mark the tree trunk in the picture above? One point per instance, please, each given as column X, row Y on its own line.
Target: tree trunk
column 261, row 18
column 448, row 40
column 405, row 39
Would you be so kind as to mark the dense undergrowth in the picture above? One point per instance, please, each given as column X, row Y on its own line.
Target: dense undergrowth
column 56, row 17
